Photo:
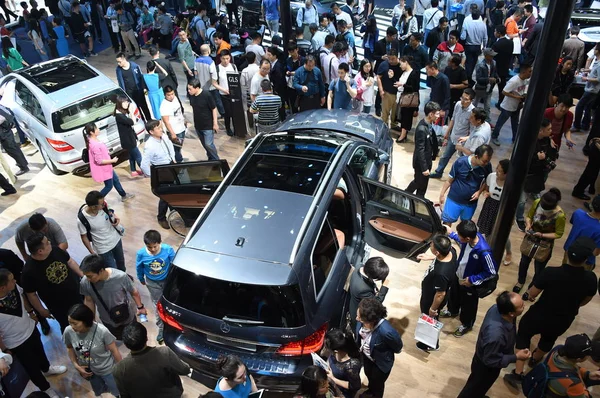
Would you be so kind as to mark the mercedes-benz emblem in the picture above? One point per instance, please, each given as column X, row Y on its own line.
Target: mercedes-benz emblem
column 225, row 328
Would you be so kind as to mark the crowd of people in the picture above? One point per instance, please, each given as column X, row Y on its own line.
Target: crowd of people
column 466, row 52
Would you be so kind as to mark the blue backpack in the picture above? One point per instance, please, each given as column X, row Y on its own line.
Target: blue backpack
column 535, row 383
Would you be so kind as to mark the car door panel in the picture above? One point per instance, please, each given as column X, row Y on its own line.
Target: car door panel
column 396, row 222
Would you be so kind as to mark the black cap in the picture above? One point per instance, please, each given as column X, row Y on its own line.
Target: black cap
column 596, row 203
column 581, row 249
column 577, row 346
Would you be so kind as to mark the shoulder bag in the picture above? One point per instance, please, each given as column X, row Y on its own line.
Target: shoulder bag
column 119, row 313
column 487, row 286
column 537, row 248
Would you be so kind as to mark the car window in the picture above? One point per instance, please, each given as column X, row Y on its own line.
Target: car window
column 90, row 110
column 323, row 255
column 29, row 102
column 184, row 174
column 394, row 200
column 365, row 162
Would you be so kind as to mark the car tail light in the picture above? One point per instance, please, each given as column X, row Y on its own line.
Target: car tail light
column 168, row 318
column 59, row 146
column 310, row 344
column 137, row 113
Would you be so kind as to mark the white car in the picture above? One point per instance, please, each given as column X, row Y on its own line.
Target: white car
column 53, row 100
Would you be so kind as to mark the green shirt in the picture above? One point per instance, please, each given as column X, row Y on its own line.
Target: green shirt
column 544, row 224
column 15, row 61
column 185, row 53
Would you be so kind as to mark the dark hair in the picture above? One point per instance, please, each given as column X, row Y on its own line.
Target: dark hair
column 372, row 310
column 265, row 61
column 228, row 366
column 6, row 45
column 135, row 336
column 545, row 123
column 479, row 114
column 92, row 198
column 88, row 129
column 475, row 14
column 505, row 164
column 565, row 99
column 467, row 229
column 37, row 221
column 528, row 8
column 152, row 124
column 93, row 263
column 342, row 23
column 299, row 32
column 119, row 104
column 500, row 4
column 152, row 236
column 442, row 20
column 470, row 92
column 442, row 244
column 150, row 66
column 344, row 66
column 408, row 10
column 81, row 312
column 431, row 106
column 454, row 33
column 417, row 36
column 4, row 274
column 274, row 50
column 392, row 52
column 211, row 394
column 219, row 35
column 225, row 53
column 575, row 30
column 118, row 7
column 363, row 74
column 152, row 51
column 524, row 66
column 251, row 57
column 312, row 379
column 265, row 85
column 309, row 58
column 550, row 199
column 406, row 59
column 313, row 27
column 338, row 47
column 38, row 394
column 376, row 269
column 435, row 3
column 432, row 65
column 194, row 83
column 504, row 303
column 337, row 340
column 455, row 59
column 329, row 39
column 483, row 149
column 501, row 29
column 391, row 31
column 57, row 21
column 168, row 89
column 35, row 242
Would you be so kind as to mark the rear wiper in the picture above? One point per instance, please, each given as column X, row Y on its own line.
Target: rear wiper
column 242, row 321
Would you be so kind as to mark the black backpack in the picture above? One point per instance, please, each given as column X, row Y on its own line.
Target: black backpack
column 9, row 119
column 88, row 228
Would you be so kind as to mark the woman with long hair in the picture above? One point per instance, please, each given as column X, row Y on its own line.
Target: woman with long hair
column 563, row 79
column 156, row 94
column 92, row 349
column 407, row 25
column 365, row 83
column 370, row 37
column 344, row 362
column 11, row 55
column 35, row 34
column 315, row 384
column 409, row 84
column 57, row 35
column 235, row 382
column 127, row 134
column 101, row 162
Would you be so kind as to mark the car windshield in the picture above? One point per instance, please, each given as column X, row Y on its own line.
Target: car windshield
column 238, row 303
column 86, row 111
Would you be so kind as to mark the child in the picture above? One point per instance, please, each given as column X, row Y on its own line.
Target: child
column 152, row 264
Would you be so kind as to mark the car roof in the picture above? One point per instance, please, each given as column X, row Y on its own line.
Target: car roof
column 359, row 125
column 254, row 223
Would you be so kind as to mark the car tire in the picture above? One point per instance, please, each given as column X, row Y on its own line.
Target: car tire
column 49, row 163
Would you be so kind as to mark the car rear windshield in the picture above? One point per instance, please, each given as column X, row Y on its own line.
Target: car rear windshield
column 86, row 111
column 250, row 305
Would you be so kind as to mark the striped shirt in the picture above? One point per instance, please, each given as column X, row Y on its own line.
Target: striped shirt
column 267, row 106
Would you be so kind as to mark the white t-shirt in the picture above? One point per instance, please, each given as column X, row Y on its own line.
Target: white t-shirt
column 345, row 16
column 463, row 262
column 172, row 109
column 258, row 50
column 493, row 187
column 222, row 72
column 104, row 235
column 431, row 17
column 15, row 330
column 255, row 84
column 516, row 86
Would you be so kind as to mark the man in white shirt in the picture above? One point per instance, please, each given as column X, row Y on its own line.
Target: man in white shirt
column 431, row 18
column 419, row 9
column 263, row 73
column 480, row 134
column 341, row 15
column 157, row 151
column 171, row 111
column 256, row 48
column 246, row 78
column 223, row 87
column 306, row 16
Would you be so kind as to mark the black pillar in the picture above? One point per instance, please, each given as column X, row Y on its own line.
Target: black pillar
column 286, row 23
column 553, row 36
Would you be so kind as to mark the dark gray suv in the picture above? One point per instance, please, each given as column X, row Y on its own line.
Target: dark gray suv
column 263, row 272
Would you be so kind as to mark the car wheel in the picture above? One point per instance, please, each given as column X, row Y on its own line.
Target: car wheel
column 51, row 166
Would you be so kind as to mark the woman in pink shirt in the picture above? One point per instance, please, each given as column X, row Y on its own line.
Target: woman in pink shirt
column 101, row 162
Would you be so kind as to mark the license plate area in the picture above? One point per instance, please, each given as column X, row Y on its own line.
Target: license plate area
column 231, row 343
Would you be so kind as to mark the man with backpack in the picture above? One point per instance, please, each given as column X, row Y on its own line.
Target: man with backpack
column 198, row 26
column 565, row 289
column 100, row 230
column 560, row 375
column 495, row 345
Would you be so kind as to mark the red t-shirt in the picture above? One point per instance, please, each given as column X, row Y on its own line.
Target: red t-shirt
column 559, row 127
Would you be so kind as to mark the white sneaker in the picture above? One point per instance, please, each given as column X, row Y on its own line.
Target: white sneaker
column 51, row 393
column 55, row 370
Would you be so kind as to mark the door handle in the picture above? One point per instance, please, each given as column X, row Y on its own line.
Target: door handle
column 384, row 212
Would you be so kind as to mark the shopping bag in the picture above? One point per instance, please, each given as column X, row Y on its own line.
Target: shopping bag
column 428, row 330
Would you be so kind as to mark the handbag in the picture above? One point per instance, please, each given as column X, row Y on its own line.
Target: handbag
column 536, row 248
column 409, row 100
column 119, row 313
column 487, row 287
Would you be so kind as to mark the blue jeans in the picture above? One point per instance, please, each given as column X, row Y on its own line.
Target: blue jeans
column 135, row 156
column 178, row 155
column 504, row 116
column 114, row 258
column 450, row 149
column 101, row 384
column 207, row 138
column 108, row 186
column 218, row 101
column 583, row 111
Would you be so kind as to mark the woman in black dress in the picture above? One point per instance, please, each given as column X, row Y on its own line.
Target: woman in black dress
column 563, row 79
column 409, row 84
column 127, row 134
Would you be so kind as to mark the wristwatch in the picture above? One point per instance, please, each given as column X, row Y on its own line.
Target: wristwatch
column 140, row 307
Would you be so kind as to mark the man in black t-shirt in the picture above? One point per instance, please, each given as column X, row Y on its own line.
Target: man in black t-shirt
column 52, row 275
column 437, row 279
column 388, row 77
column 457, row 75
column 205, row 117
column 565, row 289
column 81, row 33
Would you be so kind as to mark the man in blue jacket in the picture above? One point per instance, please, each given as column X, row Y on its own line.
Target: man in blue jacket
column 308, row 83
column 475, row 266
column 129, row 76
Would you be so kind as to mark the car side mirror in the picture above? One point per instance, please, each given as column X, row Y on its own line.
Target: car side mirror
column 383, row 157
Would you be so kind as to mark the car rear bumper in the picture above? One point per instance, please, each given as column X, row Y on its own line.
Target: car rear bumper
column 272, row 373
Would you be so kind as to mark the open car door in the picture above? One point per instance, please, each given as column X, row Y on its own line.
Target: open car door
column 187, row 187
column 396, row 222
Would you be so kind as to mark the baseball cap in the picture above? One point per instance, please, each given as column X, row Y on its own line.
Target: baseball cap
column 581, row 249
column 596, row 203
column 577, row 346
column 489, row 51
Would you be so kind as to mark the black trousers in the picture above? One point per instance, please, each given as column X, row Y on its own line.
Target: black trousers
column 227, row 106
column 590, row 173
column 5, row 184
column 163, row 207
column 232, row 9
column 306, row 103
column 8, row 12
column 292, row 95
column 376, row 378
column 480, row 380
column 9, row 144
column 32, row 356
column 418, row 184
column 140, row 100
column 378, row 104
column 502, row 80
column 463, row 299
